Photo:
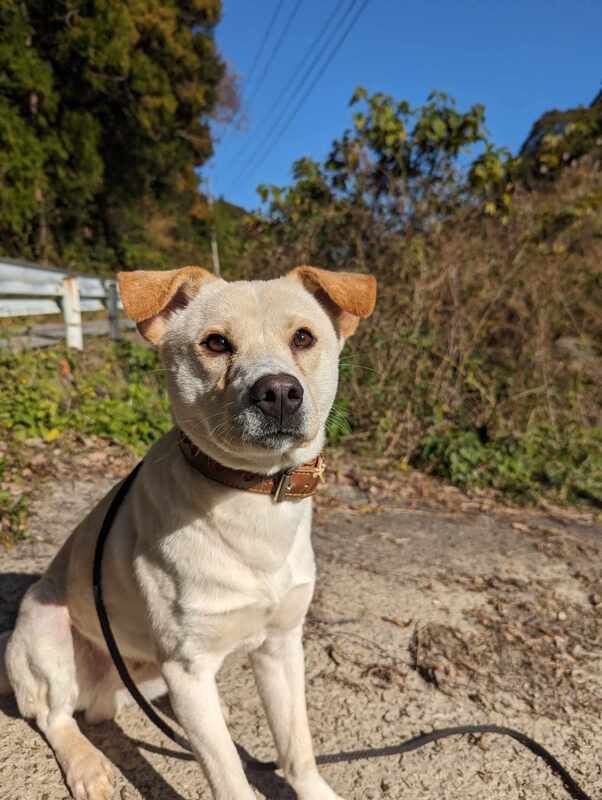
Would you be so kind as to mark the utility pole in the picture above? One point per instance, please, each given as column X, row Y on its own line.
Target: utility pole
column 214, row 247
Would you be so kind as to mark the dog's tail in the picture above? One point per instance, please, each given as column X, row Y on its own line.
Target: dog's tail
column 5, row 687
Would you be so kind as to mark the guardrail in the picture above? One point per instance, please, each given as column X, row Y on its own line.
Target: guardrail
column 30, row 290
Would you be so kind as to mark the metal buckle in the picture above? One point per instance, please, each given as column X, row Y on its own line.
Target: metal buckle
column 320, row 469
column 283, row 485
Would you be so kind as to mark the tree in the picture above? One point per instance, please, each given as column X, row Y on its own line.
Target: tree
column 401, row 157
column 396, row 170
column 104, row 114
column 557, row 139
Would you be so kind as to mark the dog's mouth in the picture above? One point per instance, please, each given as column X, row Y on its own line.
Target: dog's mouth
column 249, row 430
column 271, row 434
column 277, row 438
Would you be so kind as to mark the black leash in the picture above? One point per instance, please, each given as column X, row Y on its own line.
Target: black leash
column 570, row 784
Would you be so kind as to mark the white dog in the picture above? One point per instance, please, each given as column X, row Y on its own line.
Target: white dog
column 210, row 551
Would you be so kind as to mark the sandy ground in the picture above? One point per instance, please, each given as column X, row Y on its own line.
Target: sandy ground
column 422, row 619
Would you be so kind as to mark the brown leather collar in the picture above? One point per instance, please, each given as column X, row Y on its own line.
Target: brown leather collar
column 292, row 484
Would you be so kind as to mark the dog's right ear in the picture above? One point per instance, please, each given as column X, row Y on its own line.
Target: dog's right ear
column 346, row 296
column 150, row 297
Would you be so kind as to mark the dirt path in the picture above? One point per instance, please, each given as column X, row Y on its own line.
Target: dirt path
column 422, row 619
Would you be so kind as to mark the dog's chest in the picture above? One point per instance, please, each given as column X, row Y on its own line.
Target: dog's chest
column 233, row 575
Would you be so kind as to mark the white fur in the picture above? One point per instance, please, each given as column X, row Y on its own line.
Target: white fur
column 193, row 570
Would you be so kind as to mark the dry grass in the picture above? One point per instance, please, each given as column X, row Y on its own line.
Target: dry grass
column 485, row 328
column 477, row 315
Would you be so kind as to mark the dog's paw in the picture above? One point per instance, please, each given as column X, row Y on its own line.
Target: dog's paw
column 90, row 776
column 314, row 787
column 325, row 793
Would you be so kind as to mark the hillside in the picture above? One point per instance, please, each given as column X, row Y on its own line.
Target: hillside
column 482, row 364
column 557, row 138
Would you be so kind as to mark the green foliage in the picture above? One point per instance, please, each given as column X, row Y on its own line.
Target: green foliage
column 339, row 423
column 568, row 462
column 13, row 511
column 490, row 179
column 396, row 162
column 114, row 391
column 104, row 116
column 557, row 139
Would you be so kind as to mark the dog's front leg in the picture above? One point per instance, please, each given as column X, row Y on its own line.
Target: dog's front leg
column 280, row 674
column 195, row 701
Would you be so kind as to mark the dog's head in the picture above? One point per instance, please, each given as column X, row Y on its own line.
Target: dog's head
column 252, row 365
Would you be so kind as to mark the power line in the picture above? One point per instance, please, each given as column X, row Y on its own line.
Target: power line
column 290, row 83
column 264, row 41
column 299, row 85
column 276, row 48
column 256, row 60
column 253, row 163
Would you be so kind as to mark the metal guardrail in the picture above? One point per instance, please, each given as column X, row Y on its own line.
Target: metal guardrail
column 30, row 290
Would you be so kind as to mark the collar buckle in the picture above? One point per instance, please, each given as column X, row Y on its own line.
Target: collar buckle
column 320, row 469
column 283, row 485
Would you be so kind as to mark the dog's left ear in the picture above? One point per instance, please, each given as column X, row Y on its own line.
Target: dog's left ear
column 346, row 296
column 149, row 297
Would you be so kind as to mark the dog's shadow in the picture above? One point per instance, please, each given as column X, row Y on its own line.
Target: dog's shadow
column 121, row 749
column 268, row 782
column 13, row 586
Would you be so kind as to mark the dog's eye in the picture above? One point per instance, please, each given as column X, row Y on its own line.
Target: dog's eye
column 303, row 339
column 217, row 343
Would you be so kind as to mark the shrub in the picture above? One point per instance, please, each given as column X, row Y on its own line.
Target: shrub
column 111, row 390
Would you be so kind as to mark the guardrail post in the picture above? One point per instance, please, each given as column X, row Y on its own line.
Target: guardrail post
column 72, row 314
column 113, row 308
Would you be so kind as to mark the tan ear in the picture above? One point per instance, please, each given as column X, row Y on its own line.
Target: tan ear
column 347, row 296
column 149, row 297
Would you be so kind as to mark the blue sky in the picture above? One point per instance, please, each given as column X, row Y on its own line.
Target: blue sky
column 517, row 58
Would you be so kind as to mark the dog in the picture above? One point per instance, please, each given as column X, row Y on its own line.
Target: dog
column 196, row 565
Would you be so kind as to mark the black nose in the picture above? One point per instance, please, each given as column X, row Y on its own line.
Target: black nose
column 277, row 396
